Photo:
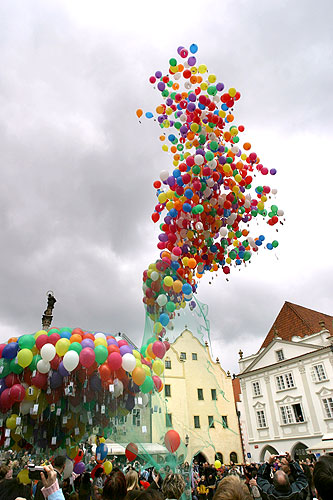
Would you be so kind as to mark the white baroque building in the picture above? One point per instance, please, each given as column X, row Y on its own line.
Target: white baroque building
column 286, row 400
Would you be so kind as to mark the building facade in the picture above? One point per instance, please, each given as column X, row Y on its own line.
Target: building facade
column 286, row 401
column 198, row 402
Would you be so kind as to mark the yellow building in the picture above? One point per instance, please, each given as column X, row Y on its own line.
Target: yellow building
column 198, row 402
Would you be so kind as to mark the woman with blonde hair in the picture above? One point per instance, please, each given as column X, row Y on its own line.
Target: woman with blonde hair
column 232, row 488
column 132, row 480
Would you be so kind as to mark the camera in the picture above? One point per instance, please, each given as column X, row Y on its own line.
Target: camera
column 34, row 472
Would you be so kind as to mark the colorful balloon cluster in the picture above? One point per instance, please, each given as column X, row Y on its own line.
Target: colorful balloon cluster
column 48, row 378
column 207, row 195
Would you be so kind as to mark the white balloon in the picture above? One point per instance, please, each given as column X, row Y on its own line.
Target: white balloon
column 199, row 226
column 145, row 399
column 210, row 182
column 162, row 300
column 48, row 351
column 118, row 388
column 154, row 275
column 198, row 159
column 188, row 85
column 176, row 76
column 128, row 362
column 274, row 191
column 25, row 407
column 183, row 118
column 100, row 335
column 223, row 231
column 68, row 468
column 280, row 212
column 164, row 175
column 71, row 360
column 43, row 366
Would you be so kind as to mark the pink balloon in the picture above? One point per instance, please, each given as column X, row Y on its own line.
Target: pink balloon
column 157, row 382
column 115, row 361
column 159, row 349
column 122, row 342
column 167, row 345
column 87, row 357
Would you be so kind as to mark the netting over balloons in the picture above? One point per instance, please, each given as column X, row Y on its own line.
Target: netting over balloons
column 209, row 198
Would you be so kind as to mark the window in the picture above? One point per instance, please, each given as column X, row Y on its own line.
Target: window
column 318, row 373
column 233, row 457
column 292, row 414
column 168, row 420
column 285, row 381
column 213, row 392
column 200, row 394
column 197, row 422
column 328, row 407
column 280, row 355
column 183, row 356
column 136, row 417
column 167, row 390
column 194, row 356
column 211, row 424
column 168, row 364
column 225, row 421
column 261, row 419
column 256, row 388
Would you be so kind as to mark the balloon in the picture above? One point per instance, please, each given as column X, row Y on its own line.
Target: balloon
column 115, row 361
column 101, row 353
column 159, row 349
column 11, row 422
column 10, row 350
column 138, row 375
column 158, row 367
column 23, row 476
column 139, row 113
column 217, row 464
column 79, row 468
column 71, row 360
column 147, row 386
column 68, row 468
column 62, row 346
column 101, row 451
column 48, row 352
column 107, row 467
column 172, row 440
column 41, row 340
column 87, row 357
column 43, row 366
column 17, row 393
column 131, row 451
column 26, row 342
column 128, row 362
column 79, row 456
column 24, row 358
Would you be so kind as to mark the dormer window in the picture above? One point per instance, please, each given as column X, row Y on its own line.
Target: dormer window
column 280, row 355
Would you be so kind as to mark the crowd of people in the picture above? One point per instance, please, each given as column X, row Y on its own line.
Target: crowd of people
column 280, row 478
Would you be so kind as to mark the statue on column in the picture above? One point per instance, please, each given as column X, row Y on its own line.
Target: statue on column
column 47, row 316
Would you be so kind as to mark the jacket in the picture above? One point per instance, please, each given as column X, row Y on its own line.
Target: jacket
column 298, row 489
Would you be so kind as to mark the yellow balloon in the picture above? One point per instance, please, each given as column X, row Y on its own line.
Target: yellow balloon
column 72, row 451
column 24, row 357
column 40, row 332
column 102, row 440
column 23, row 476
column 168, row 281
column 138, row 362
column 107, row 467
column 146, row 369
column 136, row 354
column 32, row 393
column 158, row 367
column 11, row 422
column 100, row 341
column 62, row 346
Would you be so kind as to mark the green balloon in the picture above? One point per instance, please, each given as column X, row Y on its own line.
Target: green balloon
column 101, row 354
column 33, row 364
column 200, row 208
column 170, row 306
column 196, row 169
column 65, row 329
column 75, row 346
column 247, row 256
column 147, row 386
column 26, row 342
column 173, row 61
column 4, row 367
column 209, row 156
column 275, row 243
column 15, row 368
column 143, row 349
column 53, row 330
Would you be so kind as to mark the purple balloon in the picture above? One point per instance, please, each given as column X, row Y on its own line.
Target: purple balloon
column 161, row 86
column 88, row 343
column 79, row 468
column 62, row 370
column 124, row 349
column 158, row 74
column 112, row 342
column 191, row 61
column 219, row 86
column 56, row 380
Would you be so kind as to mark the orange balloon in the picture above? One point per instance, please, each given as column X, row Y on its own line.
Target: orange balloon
column 75, row 338
column 192, row 263
column 138, row 375
column 247, row 146
column 139, row 113
column 12, row 339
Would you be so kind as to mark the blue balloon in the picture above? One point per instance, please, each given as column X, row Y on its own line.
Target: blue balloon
column 65, row 335
column 262, row 237
column 164, row 319
column 101, row 451
column 187, row 289
column 149, row 114
column 193, row 48
column 10, row 350
column 187, row 207
column 269, row 246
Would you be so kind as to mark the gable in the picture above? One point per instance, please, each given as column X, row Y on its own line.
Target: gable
column 268, row 356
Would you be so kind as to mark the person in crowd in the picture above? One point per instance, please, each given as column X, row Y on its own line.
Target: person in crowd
column 58, row 467
column 84, row 488
column 202, row 489
column 307, row 471
column 211, row 486
column 98, row 484
column 280, row 486
column 323, row 477
column 115, row 486
column 132, row 480
column 11, row 489
column 5, row 472
column 157, row 482
column 173, row 486
column 232, row 488
column 253, row 487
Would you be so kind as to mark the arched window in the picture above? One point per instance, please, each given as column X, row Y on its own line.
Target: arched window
column 219, row 456
column 233, row 457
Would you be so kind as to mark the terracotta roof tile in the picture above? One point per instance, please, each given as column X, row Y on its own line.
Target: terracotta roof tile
column 297, row 320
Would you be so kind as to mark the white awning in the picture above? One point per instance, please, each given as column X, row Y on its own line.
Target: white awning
column 326, row 443
column 144, row 448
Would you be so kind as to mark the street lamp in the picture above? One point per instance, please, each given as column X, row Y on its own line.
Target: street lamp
column 187, row 440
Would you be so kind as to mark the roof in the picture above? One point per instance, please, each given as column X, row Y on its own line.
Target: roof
column 297, row 320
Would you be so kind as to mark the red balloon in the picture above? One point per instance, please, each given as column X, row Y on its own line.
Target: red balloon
column 131, row 451
column 113, row 348
column 87, row 357
column 2, row 346
column 40, row 380
column 27, row 376
column 79, row 457
column 12, row 379
column 17, row 393
column 55, row 362
column 122, row 342
column 78, row 331
column 104, row 372
column 172, row 440
column 5, row 400
column 42, row 340
column 115, row 361
column 53, row 338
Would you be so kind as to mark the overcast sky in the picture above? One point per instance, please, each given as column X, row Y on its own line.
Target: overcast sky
column 77, row 168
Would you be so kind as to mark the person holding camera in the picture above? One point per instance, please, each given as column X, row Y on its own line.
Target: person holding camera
column 280, row 488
